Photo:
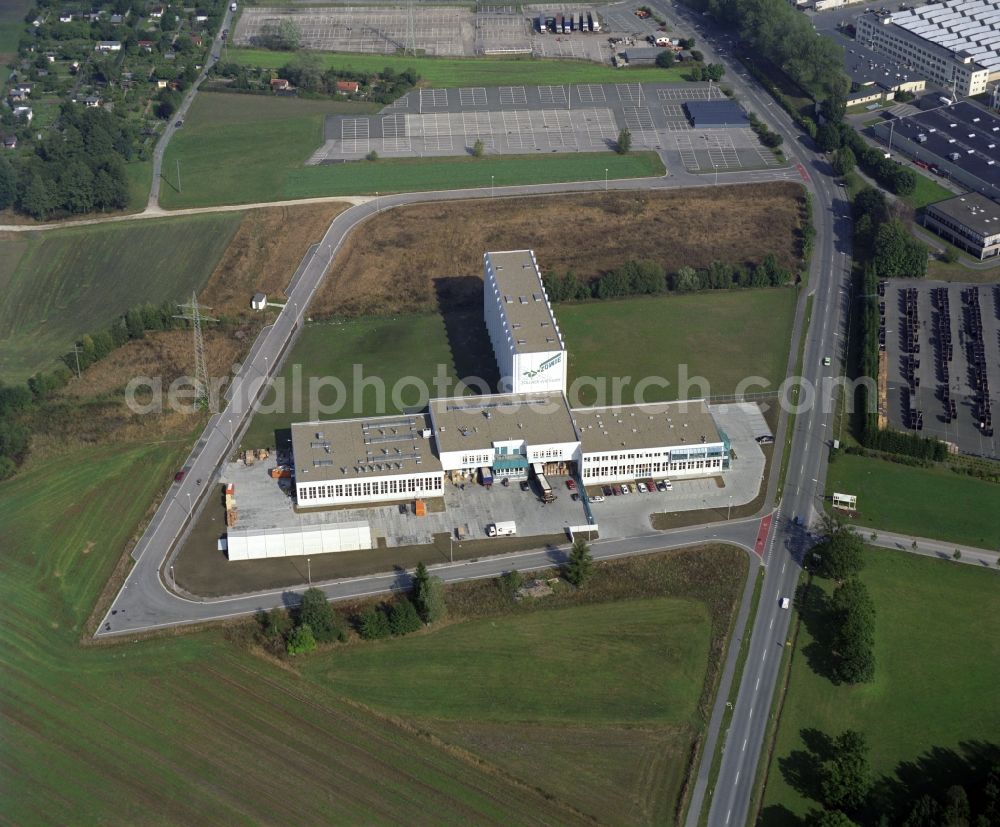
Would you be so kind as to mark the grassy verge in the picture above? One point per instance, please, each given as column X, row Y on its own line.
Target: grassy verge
column 734, row 691
column 927, row 191
column 925, row 502
column 64, row 283
column 140, row 177
column 786, row 454
column 479, row 71
column 929, row 648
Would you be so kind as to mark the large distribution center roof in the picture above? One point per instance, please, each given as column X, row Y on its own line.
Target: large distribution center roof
column 527, row 314
column 957, row 26
column 471, row 423
column 359, row 448
column 666, row 424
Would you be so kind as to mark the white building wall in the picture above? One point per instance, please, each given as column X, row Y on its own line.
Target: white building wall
column 542, row 372
column 477, row 456
column 250, row 544
column 658, row 463
column 373, row 489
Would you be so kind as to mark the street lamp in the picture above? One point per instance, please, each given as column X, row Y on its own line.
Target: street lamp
column 173, row 580
column 309, row 569
column 231, row 437
column 492, row 182
column 378, row 207
column 730, row 511
column 605, row 179
column 189, row 503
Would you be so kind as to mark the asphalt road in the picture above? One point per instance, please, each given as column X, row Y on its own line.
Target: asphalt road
column 169, row 128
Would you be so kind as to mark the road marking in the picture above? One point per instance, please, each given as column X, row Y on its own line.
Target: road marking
column 737, row 781
column 745, row 740
column 771, row 625
column 729, row 814
column 783, row 566
column 750, row 714
column 756, row 685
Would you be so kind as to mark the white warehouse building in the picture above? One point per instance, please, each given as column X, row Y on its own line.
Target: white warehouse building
column 526, row 339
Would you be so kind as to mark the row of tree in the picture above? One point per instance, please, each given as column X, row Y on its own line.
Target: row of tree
column 850, row 621
column 78, row 167
column 635, row 278
column 838, row 135
column 777, row 30
column 767, row 137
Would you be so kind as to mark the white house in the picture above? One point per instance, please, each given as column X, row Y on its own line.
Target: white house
column 24, row 112
column 108, row 46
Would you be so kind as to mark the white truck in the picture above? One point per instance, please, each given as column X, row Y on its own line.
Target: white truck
column 507, row 528
column 232, row 7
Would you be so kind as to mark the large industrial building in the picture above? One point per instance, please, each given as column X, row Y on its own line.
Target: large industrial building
column 526, row 340
column 530, row 430
column 970, row 221
column 954, row 44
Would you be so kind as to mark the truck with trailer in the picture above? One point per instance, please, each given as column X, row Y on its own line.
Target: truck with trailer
column 567, row 24
column 559, row 24
column 584, row 26
column 595, row 23
column 502, row 528
column 542, row 29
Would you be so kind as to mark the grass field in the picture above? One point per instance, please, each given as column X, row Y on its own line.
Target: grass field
column 932, row 653
column 928, row 191
column 924, row 502
column 479, row 71
column 140, row 176
column 661, row 336
column 237, row 149
column 11, row 25
column 69, row 282
column 386, row 349
column 661, row 644
column 194, row 727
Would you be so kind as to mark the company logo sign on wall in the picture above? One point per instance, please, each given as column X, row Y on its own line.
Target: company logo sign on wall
column 544, row 367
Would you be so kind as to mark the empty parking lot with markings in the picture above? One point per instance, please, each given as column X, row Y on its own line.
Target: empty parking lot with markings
column 532, row 119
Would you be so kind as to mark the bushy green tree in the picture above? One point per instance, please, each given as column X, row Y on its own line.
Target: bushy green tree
column 428, row 595
column 301, row 640
column 374, row 624
column 665, row 59
column 853, row 636
column 840, row 553
column 403, row 617
column 844, row 161
column 580, row 564
column 316, row 612
column 624, row 143
column 847, row 774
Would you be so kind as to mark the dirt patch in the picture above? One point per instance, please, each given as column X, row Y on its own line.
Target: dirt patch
column 589, row 234
column 264, row 254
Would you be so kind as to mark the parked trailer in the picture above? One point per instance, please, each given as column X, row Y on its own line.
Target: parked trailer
column 507, row 528
column 584, row 25
column 541, row 24
column 559, row 24
column 486, row 476
column 567, row 24
column 595, row 23
column 545, row 488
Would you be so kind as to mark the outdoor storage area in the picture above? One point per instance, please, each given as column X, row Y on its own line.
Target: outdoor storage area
column 943, row 361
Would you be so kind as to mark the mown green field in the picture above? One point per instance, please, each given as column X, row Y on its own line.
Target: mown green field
column 924, row 502
column 724, row 337
column 471, row 71
column 935, row 653
column 928, row 191
column 661, row 649
column 60, row 284
column 384, row 349
column 196, row 729
column 11, row 25
column 239, row 149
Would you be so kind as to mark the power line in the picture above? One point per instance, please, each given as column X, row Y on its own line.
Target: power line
column 192, row 312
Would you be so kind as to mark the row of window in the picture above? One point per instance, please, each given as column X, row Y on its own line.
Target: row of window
column 646, row 469
column 477, row 459
column 370, row 488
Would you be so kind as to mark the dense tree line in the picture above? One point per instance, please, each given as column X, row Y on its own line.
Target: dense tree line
column 883, row 249
column 308, row 73
column 892, row 175
column 132, row 324
column 636, row 278
column 786, row 36
column 78, row 167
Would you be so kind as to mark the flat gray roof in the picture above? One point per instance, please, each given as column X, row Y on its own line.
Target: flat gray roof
column 667, row 424
column 351, row 449
column 977, row 212
column 526, row 310
column 476, row 422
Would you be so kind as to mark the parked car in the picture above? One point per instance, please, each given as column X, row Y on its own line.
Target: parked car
column 180, row 475
column 669, row 485
column 616, row 490
column 524, row 485
column 661, row 486
column 606, row 490
column 651, row 486
column 785, row 602
column 597, row 498
column 575, row 496
column 641, row 487
column 765, row 439
column 571, row 485
column 626, row 489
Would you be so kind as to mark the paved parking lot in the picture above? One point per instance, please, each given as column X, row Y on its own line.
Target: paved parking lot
column 530, row 119
column 367, row 30
column 468, row 510
column 926, row 395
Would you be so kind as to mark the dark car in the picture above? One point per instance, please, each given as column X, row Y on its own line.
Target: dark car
column 606, row 490
column 766, row 439
column 524, row 485
column 179, row 123
column 180, row 475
